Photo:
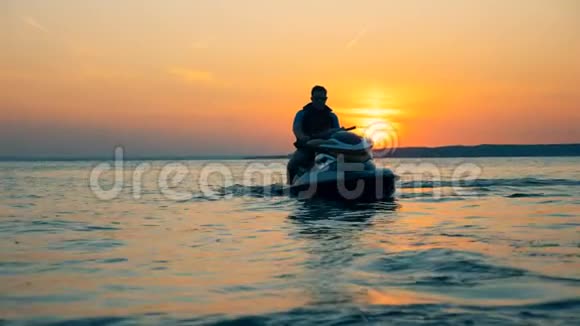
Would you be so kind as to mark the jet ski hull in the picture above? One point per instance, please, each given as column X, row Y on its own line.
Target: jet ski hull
column 367, row 185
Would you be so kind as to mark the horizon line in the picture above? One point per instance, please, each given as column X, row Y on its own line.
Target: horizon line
column 100, row 157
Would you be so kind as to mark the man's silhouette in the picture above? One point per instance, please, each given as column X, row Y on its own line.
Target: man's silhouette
column 313, row 119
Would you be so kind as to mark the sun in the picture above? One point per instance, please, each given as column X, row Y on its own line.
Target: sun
column 375, row 119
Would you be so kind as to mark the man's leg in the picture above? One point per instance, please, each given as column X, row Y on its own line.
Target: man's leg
column 300, row 158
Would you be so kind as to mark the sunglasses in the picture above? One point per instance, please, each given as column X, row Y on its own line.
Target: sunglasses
column 320, row 98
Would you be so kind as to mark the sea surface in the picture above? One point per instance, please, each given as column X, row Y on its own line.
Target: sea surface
column 466, row 241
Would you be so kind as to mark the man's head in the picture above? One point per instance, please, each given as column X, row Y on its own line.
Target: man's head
column 318, row 96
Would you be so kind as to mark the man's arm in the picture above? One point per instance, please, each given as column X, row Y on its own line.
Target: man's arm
column 297, row 126
column 335, row 123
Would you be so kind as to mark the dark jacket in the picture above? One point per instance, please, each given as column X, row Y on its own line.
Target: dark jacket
column 311, row 121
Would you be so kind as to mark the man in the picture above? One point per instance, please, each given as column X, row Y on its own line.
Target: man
column 314, row 118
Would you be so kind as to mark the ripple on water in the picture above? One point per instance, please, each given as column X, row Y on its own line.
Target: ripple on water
column 86, row 245
column 524, row 195
column 437, row 267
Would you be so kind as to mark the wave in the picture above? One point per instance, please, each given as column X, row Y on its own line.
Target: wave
column 562, row 312
column 445, row 267
column 481, row 187
column 523, row 195
column 239, row 190
column 485, row 183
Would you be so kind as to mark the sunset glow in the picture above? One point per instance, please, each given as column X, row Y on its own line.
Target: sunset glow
column 227, row 77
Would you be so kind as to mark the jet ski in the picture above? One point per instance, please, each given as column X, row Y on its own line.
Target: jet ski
column 343, row 169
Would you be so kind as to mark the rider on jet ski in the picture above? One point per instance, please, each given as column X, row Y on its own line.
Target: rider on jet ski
column 314, row 118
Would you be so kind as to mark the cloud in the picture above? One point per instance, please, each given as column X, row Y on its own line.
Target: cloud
column 191, row 75
column 357, row 37
column 32, row 22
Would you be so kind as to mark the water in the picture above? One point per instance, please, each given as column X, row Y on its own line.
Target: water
column 472, row 241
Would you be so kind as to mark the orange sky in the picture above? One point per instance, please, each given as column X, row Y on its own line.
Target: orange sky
column 226, row 77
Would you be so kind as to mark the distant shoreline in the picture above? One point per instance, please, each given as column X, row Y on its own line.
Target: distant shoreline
column 545, row 150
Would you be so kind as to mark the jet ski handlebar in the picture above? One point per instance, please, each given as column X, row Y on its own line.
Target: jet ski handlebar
column 329, row 133
column 321, row 136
